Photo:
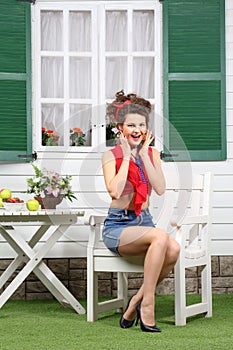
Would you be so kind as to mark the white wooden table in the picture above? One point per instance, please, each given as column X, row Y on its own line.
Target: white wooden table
column 54, row 223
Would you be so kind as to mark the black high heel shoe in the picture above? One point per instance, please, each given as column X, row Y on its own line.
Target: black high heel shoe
column 145, row 327
column 123, row 322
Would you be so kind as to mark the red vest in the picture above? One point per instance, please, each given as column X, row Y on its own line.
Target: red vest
column 134, row 183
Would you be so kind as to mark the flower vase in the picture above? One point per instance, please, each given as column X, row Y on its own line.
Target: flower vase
column 49, row 202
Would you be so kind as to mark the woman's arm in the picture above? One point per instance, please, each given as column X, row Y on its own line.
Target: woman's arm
column 115, row 183
column 154, row 171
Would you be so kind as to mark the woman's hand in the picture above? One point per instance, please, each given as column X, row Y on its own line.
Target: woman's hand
column 125, row 146
column 148, row 139
column 153, row 169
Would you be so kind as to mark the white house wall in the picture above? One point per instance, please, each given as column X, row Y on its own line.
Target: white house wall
column 89, row 186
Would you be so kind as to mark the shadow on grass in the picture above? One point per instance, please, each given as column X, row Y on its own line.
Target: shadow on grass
column 164, row 311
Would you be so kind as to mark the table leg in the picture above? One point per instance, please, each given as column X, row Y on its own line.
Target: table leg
column 41, row 270
column 19, row 259
column 57, row 288
column 10, row 270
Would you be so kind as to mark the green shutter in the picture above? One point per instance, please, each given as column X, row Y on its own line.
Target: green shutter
column 194, row 79
column 15, row 80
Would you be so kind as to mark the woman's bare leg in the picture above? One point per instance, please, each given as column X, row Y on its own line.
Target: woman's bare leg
column 153, row 243
column 170, row 259
column 172, row 254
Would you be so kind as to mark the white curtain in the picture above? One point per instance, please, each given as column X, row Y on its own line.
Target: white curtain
column 116, row 31
column 51, row 30
column 77, row 74
column 143, row 30
column 80, row 117
column 80, row 31
column 52, row 119
column 143, row 76
column 142, row 40
column 52, row 77
column 53, row 70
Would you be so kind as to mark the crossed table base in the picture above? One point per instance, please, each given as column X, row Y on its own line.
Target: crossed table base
column 55, row 223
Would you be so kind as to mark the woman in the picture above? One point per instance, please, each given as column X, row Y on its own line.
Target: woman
column 131, row 170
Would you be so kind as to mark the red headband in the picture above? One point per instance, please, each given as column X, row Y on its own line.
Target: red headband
column 120, row 106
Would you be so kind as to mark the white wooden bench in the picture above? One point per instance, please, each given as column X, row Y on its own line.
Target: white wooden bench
column 190, row 202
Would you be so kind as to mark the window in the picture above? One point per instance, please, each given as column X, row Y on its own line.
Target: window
column 194, row 79
column 85, row 52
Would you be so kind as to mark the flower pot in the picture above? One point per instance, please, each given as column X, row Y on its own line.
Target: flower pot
column 49, row 202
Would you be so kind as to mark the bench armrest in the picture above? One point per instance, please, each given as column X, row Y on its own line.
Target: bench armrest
column 190, row 220
column 93, row 219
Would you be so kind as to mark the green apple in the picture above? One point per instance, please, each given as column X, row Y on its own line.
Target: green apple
column 5, row 193
column 1, row 205
column 32, row 204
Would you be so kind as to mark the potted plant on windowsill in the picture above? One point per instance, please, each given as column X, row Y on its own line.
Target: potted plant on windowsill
column 49, row 187
column 111, row 134
column 77, row 137
column 49, row 137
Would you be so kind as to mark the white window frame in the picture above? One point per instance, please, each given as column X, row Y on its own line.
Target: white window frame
column 98, row 9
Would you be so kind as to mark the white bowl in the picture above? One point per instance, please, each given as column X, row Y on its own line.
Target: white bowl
column 13, row 206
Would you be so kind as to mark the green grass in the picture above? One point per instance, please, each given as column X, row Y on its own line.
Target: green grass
column 47, row 325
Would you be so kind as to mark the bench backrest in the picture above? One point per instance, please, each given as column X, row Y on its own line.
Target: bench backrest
column 187, row 196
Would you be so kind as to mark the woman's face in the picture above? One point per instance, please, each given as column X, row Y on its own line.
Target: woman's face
column 134, row 128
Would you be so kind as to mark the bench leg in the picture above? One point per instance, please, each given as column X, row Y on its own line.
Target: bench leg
column 206, row 288
column 122, row 288
column 180, row 295
column 92, row 291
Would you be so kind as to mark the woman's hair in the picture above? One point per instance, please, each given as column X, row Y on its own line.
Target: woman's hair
column 125, row 104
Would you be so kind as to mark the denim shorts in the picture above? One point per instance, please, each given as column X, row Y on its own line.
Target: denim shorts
column 119, row 219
